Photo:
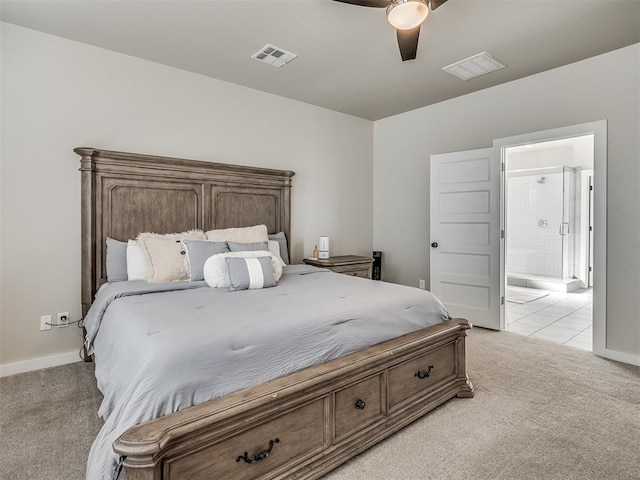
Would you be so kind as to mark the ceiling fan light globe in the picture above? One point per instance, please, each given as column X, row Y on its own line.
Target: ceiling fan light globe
column 407, row 14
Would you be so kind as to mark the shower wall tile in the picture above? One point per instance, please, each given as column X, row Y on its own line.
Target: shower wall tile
column 533, row 249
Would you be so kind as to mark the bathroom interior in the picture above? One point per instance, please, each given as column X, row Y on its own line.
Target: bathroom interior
column 548, row 235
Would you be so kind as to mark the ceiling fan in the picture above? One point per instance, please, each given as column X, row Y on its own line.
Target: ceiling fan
column 406, row 16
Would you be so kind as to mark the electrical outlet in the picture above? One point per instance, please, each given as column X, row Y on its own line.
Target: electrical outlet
column 45, row 321
column 63, row 319
column 422, row 284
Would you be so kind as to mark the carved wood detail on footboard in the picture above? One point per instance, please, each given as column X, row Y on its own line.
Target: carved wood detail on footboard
column 307, row 423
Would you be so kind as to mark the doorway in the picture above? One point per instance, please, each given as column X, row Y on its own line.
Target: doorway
column 468, row 192
column 598, row 219
column 548, row 229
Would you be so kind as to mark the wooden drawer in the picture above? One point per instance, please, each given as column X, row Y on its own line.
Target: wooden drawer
column 299, row 433
column 353, row 270
column 357, row 406
column 415, row 375
column 353, row 265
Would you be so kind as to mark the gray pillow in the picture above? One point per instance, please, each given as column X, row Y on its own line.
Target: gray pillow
column 250, row 273
column 248, row 247
column 116, row 260
column 198, row 251
column 282, row 240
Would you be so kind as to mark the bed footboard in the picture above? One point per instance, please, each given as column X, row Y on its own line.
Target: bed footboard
column 305, row 424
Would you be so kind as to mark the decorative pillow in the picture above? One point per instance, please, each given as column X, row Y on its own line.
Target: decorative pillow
column 257, row 233
column 116, row 260
column 216, row 271
column 250, row 273
column 197, row 253
column 136, row 264
column 274, row 249
column 284, row 249
column 247, row 247
column 166, row 258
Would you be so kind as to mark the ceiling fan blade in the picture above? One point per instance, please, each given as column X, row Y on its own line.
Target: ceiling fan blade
column 367, row 3
column 436, row 3
column 408, row 43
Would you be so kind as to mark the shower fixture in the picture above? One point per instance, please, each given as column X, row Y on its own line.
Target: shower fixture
column 541, row 180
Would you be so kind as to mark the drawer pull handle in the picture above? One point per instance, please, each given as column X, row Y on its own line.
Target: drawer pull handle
column 424, row 374
column 360, row 404
column 260, row 455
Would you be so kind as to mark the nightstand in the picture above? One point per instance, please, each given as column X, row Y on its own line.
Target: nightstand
column 348, row 264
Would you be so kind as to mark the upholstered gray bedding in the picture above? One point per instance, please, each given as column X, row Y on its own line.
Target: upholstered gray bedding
column 162, row 348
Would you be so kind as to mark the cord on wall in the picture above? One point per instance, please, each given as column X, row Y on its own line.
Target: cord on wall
column 60, row 325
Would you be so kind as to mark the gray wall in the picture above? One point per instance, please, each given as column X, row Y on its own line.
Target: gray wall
column 58, row 94
column 603, row 87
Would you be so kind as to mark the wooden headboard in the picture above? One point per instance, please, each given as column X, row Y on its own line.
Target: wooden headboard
column 124, row 194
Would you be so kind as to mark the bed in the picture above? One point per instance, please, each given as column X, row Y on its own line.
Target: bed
column 288, row 422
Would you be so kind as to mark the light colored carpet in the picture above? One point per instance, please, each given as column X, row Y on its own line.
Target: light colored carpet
column 524, row 295
column 541, row 411
column 48, row 420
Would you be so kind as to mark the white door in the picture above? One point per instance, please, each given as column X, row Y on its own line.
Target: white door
column 465, row 235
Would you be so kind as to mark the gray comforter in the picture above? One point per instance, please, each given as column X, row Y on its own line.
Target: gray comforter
column 163, row 348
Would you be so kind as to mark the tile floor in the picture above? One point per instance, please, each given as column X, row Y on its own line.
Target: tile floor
column 560, row 317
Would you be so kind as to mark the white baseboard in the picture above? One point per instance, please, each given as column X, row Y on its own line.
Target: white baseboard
column 629, row 358
column 38, row 363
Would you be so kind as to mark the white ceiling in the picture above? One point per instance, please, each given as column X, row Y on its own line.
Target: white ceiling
column 348, row 58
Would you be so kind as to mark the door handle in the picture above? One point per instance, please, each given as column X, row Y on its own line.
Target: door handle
column 434, row 244
column 564, row 228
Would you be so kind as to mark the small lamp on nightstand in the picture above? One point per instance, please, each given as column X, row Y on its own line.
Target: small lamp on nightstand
column 323, row 247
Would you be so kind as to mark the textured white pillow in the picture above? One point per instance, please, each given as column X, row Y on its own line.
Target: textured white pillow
column 274, row 249
column 257, row 233
column 136, row 264
column 216, row 271
column 165, row 255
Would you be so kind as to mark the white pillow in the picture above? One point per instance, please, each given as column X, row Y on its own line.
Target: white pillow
column 274, row 249
column 216, row 271
column 257, row 233
column 165, row 255
column 136, row 263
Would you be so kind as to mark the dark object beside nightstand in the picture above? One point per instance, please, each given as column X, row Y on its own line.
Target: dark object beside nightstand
column 353, row 265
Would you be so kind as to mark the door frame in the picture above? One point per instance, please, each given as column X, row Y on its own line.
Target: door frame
column 586, row 244
column 599, row 131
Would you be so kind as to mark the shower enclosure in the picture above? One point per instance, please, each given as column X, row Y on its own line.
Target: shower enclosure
column 541, row 227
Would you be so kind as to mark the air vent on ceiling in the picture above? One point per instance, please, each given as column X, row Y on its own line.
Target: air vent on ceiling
column 474, row 66
column 273, row 55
